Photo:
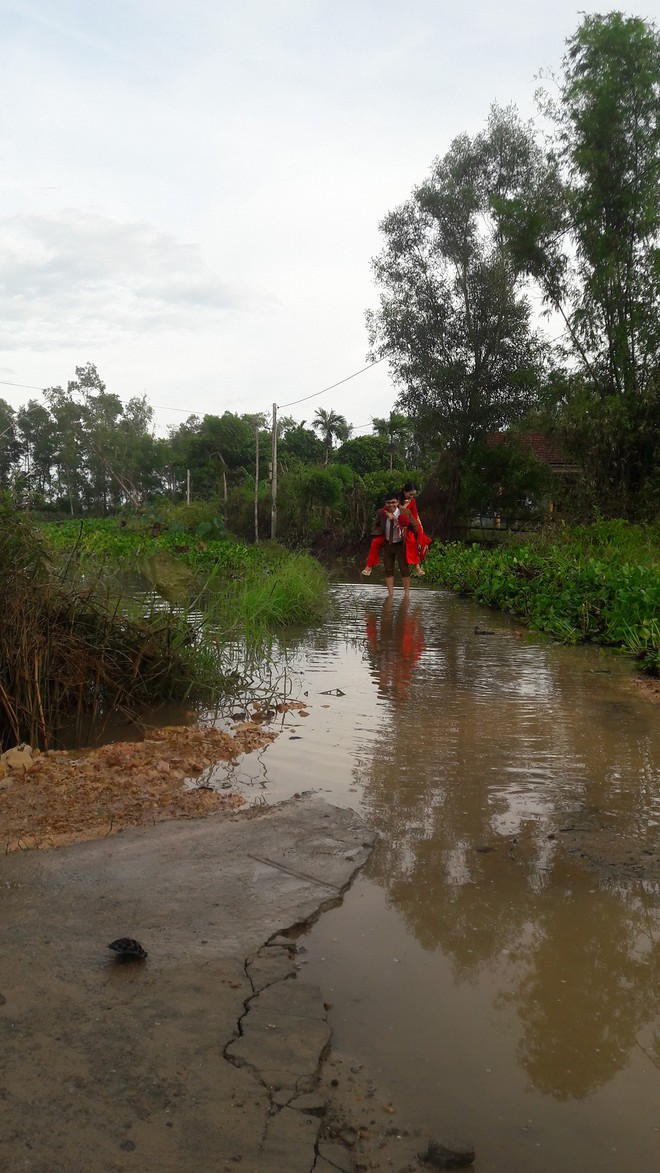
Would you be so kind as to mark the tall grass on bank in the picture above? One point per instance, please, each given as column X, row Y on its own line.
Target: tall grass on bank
column 67, row 651
column 288, row 591
column 596, row 583
column 74, row 649
column 249, row 591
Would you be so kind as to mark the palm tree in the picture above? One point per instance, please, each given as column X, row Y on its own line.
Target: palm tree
column 395, row 429
column 329, row 424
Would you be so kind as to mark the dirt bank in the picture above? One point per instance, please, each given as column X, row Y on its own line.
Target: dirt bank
column 62, row 797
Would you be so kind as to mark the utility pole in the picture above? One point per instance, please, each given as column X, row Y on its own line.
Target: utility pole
column 256, row 485
column 273, row 480
column 187, row 486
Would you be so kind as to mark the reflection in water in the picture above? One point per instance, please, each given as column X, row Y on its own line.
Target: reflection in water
column 395, row 639
column 507, row 793
column 582, row 1005
column 517, row 803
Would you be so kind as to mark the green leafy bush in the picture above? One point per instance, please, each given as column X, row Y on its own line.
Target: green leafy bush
column 596, row 583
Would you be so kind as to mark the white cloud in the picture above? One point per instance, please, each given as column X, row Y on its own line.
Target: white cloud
column 77, row 273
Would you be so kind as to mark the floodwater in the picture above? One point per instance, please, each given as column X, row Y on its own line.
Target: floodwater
column 496, row 965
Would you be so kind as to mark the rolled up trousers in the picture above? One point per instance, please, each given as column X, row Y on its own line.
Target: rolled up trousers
column 396, row 552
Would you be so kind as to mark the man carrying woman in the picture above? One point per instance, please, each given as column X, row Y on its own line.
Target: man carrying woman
column 416, row 541
column 391, row 526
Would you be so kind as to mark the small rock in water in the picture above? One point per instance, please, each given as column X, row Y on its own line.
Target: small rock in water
column 441, row 1156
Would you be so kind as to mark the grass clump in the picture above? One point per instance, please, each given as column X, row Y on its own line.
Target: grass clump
column 286, row 590
column 67, row 650
column 243, row 588
column 596, row 583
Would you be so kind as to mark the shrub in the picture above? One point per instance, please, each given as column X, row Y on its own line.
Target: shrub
column 597, row 583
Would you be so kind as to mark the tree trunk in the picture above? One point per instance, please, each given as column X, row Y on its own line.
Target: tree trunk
column 438, row 500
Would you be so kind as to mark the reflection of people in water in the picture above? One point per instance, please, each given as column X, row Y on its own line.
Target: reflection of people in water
column 395, row 640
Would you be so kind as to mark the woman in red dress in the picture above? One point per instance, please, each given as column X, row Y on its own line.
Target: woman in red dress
column 417, row 544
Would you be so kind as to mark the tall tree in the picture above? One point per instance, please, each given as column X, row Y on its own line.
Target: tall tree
column 140, row 457
column 299, row 444
column 37, row 438
column 101, row 448
column 610, row 137
column 9, row 444
column 590, row 235
column 453, row 318
column 217, row 449
column 330, row 425
column 69, row 481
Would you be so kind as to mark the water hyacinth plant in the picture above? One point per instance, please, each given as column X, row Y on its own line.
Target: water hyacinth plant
column 592, row 583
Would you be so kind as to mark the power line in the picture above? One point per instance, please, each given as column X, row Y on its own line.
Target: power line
column 188, row 411
column 28, row 386
column 333, row 385
column 121, row 398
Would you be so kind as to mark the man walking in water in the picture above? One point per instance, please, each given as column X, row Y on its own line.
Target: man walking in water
column 391, row 523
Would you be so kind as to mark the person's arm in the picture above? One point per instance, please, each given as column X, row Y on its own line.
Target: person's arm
column 406, row 518
column 379, row 524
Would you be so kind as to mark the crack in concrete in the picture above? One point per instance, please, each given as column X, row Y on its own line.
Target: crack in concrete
column 298, row 875
column 307, row 1082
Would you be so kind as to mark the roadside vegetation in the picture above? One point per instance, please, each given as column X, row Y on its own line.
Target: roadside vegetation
column 102, row 619
column 245, row 590
column 68, row 651
column 597, row 583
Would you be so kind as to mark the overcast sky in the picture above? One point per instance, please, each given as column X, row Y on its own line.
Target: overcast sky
column 192, row 188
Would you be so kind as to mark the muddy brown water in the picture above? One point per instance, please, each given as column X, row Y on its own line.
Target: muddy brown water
column 496, row 965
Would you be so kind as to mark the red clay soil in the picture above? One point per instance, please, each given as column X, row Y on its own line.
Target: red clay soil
column 67, row 796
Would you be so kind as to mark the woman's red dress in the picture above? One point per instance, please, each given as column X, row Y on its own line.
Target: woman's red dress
column 417, row 544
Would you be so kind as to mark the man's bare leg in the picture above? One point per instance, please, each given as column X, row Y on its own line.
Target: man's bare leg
column 406, row 586
column 389, row 583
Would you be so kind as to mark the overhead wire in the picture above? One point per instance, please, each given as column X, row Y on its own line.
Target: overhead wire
column 188, row 411
column 28, row 386
column 333, row 385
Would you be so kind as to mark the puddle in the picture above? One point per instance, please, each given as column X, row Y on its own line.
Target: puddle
column 496, row 966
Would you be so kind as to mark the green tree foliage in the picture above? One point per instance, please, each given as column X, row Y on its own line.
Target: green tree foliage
column 610, row 143
column 300, row 445
column 365, row 454
column 506, row 481
column 9, row 443
column 102, row 453
column 397, row 430
column 453, row 319
column 37, row 440
column 588, row 231
column 218, row 451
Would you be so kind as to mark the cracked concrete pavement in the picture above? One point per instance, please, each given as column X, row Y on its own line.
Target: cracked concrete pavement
column 205, row 1057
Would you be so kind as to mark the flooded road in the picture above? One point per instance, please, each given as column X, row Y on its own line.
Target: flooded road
column 496, row 966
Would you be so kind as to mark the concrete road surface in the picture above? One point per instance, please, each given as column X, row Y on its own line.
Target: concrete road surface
column 204, row 1057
